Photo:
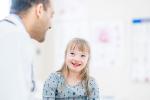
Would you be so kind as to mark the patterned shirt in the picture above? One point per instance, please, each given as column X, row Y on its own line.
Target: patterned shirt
column 55, row 88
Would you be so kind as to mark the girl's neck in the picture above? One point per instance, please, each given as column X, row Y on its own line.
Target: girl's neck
column 74, row 75
column 73, row 78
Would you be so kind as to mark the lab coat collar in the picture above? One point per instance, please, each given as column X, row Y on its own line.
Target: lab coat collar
column 15, row 19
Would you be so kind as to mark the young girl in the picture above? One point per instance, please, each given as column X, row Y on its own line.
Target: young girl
column 72, row 81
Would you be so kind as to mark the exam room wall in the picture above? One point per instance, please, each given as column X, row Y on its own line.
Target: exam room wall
column 115, row 84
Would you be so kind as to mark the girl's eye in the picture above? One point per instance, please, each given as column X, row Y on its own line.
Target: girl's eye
column 82, row 55
column 72, row 53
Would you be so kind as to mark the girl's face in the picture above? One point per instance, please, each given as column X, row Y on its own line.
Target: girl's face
column 76, row 60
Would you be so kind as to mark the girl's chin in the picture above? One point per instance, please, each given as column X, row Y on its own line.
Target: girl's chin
column 76, row 66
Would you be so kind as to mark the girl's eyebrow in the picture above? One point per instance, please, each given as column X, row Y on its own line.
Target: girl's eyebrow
column 84, row 53
column 81, row 52
column 71, row 51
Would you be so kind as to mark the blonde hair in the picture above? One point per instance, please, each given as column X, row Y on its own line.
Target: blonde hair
column 82, row 46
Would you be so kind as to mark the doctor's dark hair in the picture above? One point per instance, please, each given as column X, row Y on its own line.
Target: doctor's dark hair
column 18, row 6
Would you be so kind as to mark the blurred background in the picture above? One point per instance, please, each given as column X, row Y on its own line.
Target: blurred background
column 118, row 32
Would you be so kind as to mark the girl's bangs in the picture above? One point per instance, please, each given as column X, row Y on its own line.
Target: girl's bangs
column 80, row 46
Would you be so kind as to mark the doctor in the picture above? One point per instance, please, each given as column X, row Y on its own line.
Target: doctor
column 28, row 19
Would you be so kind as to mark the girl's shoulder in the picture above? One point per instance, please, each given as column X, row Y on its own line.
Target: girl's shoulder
column 93, row 89
column 92, row 81
column 55, row 76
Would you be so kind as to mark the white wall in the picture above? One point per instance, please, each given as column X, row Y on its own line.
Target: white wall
column 115, row 82
column 4, row 5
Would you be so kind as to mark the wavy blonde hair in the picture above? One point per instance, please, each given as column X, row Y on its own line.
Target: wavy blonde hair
column 82, row 46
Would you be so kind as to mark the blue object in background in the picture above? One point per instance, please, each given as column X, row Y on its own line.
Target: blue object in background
column 140, row 20
column 136, row 21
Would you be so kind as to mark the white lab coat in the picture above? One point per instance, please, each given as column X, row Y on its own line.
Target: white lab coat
column 16, row 56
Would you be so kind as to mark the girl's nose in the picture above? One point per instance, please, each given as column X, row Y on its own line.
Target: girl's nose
column 77, row 59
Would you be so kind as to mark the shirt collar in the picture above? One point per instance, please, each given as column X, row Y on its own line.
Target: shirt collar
column 18, row 22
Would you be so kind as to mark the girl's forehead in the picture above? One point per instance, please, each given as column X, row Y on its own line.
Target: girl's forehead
column 79, row 47
column 78, row 51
